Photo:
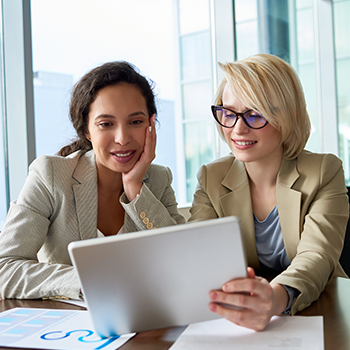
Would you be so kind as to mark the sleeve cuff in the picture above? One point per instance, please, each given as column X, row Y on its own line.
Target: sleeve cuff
column 292, row 293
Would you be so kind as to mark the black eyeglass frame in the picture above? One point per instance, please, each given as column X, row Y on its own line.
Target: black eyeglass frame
column 214, row 108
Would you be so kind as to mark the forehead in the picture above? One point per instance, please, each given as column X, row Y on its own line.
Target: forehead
column 230, row 100
column 121, row 97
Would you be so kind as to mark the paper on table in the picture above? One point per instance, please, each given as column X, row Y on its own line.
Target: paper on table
column 53, row 329
column 283, row 332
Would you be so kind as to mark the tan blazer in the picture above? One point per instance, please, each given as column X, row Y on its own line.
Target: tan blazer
column 58, row 205
column 313, row 211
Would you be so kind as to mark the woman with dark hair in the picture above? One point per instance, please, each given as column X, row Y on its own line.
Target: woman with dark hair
column 102, row 184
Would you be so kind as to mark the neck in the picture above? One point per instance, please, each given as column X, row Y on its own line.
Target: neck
column 264, row 173
column 109, row 182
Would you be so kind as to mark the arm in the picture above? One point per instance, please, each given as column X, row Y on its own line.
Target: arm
column 324, row 215
column 156, row 203
column 24, row 234
column 202, row 207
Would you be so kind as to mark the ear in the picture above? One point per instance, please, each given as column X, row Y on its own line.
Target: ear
column 87, row 135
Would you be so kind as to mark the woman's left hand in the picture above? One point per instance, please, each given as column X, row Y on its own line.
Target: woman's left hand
column 257, row 299
column 132, row 180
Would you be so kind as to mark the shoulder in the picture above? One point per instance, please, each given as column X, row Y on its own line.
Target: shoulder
column 223, row 163
column 315, row 170
column 57, row 167
column 219, row 167
column 45, row 161
column 318, row 163
column 309, row 159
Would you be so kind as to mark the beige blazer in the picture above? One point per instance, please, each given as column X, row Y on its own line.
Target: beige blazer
column 58, row 205
column 313, row 211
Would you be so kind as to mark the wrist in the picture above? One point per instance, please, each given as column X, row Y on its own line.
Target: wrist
column 131, row 190
column 281, row 298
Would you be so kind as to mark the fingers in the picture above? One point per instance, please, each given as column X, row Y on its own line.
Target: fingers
column 257, row 298
column 150, row 140
column 251, row 272
column 245, row 318
column 245, row 285
column 249, row 301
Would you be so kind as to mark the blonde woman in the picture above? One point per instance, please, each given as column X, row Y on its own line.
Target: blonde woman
column 292, row 203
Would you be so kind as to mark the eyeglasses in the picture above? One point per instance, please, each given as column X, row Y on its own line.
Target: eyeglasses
column 228, row 119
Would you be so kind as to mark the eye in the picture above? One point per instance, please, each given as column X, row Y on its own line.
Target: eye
column 226, row 114
column 254, row 116
column 104, row 124
column 136, row 122
column 229, row 115
column 255, row 119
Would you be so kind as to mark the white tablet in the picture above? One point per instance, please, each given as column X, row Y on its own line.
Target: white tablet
column 158, row 278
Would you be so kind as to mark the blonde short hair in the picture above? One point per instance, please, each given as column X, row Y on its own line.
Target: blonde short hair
column 270, row 86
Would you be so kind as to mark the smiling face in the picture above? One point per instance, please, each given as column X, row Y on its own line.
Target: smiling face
column 118, row 119
column 250, row 145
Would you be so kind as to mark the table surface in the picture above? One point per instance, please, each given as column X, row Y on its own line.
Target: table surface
column 333, row 305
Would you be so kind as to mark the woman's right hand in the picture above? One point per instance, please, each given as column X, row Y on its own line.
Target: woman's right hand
column 255, row 299
column 132, row 180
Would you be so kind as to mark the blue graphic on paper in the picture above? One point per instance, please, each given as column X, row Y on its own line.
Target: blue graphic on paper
column 44, row 329
column 48, row 336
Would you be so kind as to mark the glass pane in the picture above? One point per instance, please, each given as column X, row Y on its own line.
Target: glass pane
column 193, row 16
column 342, row 28
column 247, row 39
column 341, row 11
column 343, row 76
column 344, row 140
column 246, row 10
column 51, row 98
column 199, row 141
column 3, row 205
column 197, row 99
column 305, row 36
column 307, row 75
column 3, row 199
column 195, row 56
column 300, row 4
column 94, row 32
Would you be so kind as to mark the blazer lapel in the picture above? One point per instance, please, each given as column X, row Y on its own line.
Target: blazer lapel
column 85, row 194
column 289, row 203
column 237, row 202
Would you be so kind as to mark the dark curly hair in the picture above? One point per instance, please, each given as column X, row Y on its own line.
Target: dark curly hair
column 85, row 91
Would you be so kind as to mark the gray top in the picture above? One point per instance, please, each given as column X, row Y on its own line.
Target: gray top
column 269, row 242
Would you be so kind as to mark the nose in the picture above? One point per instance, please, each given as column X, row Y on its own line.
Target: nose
column 122, row 135
column 240, row 128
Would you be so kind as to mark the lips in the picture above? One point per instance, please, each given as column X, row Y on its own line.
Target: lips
column 123, row 156
column 244, row 143
column 118, row 154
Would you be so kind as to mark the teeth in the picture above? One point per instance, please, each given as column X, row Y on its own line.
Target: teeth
column 244, row 143
column 123, row 154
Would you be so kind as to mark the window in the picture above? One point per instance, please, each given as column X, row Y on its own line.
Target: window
column 341, row 12
column 3, row 170
column 94, row 32
column 71, row 37
column 196, row 89
column 3, row 146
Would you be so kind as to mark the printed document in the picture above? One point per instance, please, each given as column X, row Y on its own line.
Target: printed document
column 283, row 332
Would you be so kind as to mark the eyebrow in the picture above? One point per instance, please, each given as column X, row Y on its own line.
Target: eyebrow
column 232, row 110
column 110, row 116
